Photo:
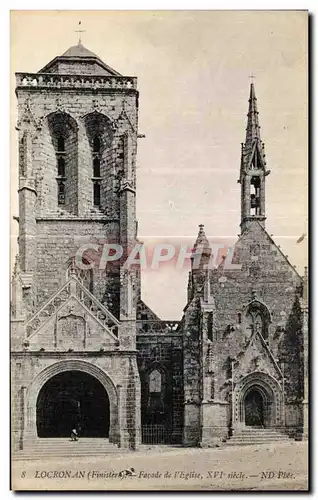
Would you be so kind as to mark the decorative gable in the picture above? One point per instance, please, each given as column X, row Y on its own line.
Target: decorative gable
column 72, row 319
column 257, row 356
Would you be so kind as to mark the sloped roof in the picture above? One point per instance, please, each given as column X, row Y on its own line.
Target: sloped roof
column 79, row 60
column 78, row 51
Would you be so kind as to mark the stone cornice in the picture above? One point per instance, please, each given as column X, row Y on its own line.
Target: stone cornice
column 60, row 82
column 68, row 218
column 75, row 354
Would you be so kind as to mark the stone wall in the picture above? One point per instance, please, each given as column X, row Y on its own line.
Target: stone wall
column 116, row 371
column 163, row 352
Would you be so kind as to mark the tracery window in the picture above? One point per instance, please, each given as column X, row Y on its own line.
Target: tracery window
column 257, row 322
column 155, row 399
column 155, row 382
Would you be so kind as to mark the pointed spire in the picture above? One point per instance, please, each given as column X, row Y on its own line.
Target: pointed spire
column 253, row 168
column 253, row 144
column 201, row 240
column 253, row 128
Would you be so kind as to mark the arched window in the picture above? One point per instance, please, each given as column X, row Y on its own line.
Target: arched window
column 63, row 130
column 257, row 321
column 60, row 144
column 96, row 167
column 96, row 144
column 155, row 407
column 61, row 167
column 155, row 382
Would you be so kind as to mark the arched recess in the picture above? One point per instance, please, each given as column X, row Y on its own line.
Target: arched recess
column 65, row 366
column 155, row 408
column 271, row 392
column 99, row 131
column 72, row 399
column 58, row 162
column 257, row 318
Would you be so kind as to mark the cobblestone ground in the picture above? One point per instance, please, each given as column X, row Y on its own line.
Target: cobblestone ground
column 281, row 466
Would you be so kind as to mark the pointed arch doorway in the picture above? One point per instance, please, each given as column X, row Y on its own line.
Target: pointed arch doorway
column 254, row 409
column 257, row 402
column 72, row 399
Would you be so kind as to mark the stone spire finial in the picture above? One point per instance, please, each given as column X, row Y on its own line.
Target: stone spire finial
column 253, row 128
column 201, row 240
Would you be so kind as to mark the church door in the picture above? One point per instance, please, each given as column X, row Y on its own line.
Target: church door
column 254, row 409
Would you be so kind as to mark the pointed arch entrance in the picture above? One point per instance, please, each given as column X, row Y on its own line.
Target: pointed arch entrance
column 81, row 378
column 257, row 402
column 72, row 399
column 255, row 414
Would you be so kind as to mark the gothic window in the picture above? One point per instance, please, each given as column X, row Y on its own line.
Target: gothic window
column 257, row 322
column 155, row 382
column 155, row 399
column 99, row 132
column 63, row 153
column 210, row 326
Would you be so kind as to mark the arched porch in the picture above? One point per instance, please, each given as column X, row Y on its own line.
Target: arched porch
column 257, row 402
column 93, row 376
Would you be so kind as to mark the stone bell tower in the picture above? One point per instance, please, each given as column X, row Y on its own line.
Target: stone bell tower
column 77, row 128
column 253, row 169
column 77, row 149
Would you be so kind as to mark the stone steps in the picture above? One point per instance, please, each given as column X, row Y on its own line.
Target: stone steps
column 257, row 436
column 63, row 447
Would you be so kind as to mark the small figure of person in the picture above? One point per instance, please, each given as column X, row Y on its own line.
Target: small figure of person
column 74, row 435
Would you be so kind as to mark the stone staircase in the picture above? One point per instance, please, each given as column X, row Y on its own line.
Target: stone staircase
column 257, row 435
column 63, row 447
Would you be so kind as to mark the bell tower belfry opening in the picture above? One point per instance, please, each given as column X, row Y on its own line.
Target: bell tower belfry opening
column 253, row 170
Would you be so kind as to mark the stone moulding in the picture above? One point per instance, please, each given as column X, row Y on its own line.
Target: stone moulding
column 50, row 80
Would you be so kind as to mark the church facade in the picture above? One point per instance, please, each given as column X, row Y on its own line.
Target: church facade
column 86, row 350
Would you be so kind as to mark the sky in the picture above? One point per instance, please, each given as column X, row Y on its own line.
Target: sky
column 193, row 71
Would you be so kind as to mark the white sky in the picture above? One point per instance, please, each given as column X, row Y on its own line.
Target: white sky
column 193, row 70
